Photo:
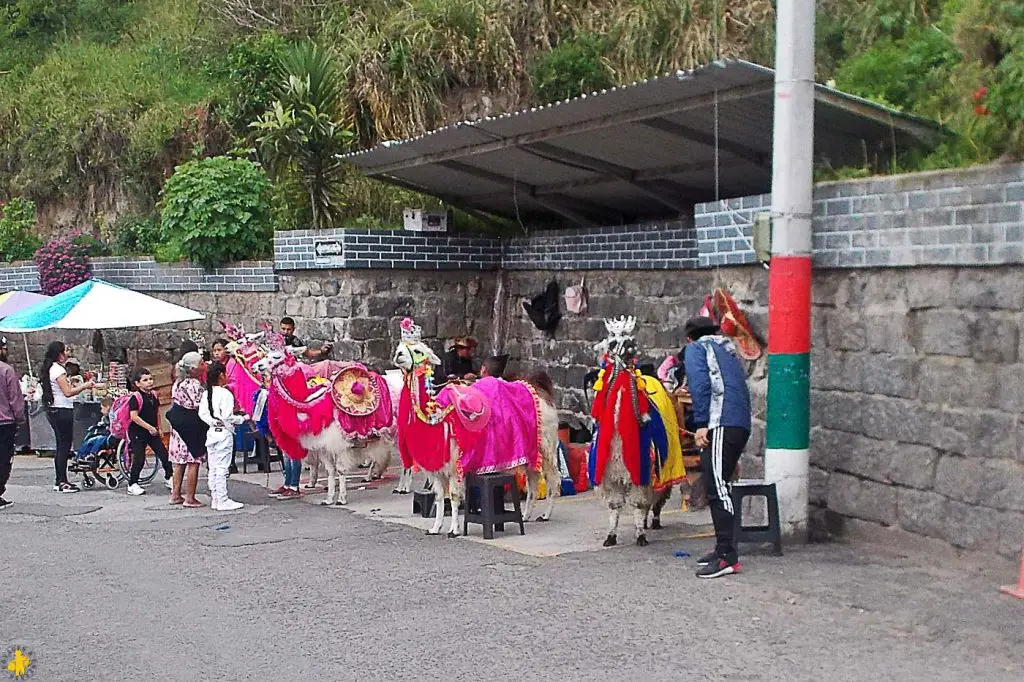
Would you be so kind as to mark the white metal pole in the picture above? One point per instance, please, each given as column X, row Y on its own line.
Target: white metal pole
column 789, row 287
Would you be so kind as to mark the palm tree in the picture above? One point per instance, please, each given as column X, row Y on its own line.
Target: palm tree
column 303, row 132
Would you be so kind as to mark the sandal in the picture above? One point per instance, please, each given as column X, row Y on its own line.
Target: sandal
column 192, row 504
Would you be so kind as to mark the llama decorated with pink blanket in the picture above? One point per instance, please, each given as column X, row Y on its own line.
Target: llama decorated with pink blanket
column 327, row 411
column 492, row 425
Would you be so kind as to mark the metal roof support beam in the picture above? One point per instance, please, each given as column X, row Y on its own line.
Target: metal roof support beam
column 627, row 175
column 641, row 176
column 700, row 137
column 551, row 204
column 599, row 123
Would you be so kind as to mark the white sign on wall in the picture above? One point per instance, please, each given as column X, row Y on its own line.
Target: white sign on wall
column 328, row 251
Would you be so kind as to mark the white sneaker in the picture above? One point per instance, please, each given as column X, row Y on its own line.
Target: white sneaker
column 167, row 482
column 136, row 489
column 229, row 505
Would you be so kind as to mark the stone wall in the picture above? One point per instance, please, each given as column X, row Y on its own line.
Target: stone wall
column 918, row 388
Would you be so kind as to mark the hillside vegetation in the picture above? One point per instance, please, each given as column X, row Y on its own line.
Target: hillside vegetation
column 100, row 100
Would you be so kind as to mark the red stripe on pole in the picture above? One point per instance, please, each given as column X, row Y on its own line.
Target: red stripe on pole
column 789, row 305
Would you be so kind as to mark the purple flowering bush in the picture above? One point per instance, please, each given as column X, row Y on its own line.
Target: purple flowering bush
column 62, row 264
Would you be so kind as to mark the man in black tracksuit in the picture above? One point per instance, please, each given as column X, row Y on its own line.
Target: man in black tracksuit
column 721, row 424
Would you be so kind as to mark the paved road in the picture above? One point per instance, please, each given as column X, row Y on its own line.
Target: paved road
column 290, row 591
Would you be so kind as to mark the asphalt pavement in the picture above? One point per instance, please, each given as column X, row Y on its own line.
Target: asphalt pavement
column 101, row 586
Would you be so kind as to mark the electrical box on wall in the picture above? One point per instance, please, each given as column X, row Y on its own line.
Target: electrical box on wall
column 763, row 237
column 418, row 220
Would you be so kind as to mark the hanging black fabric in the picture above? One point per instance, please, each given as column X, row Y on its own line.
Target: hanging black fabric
column 543, row 309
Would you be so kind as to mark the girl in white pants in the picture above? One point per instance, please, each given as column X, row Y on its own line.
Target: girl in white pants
column 217, row 409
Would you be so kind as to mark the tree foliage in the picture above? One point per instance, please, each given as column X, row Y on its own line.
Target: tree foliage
column 303, row 135
column 17, row 219
column 217, row 210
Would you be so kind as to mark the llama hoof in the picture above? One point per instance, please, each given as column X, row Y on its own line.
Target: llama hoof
column 396, row 492
column 656, row 524
column 433, row 532
column 611, row 540
column 452, row 534
column 542, row 519
column 645, row 524
column 326, row 503
column 641, row 541
column 339, row 503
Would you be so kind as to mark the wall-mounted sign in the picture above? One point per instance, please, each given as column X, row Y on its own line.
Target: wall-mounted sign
column 328, row 251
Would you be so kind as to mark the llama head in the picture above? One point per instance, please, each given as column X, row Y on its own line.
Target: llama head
column 620, row 345
column 412, row 353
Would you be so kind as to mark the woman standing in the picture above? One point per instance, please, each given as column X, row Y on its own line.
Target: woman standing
column 60, row 410
column 188, row 431
column 217, row 409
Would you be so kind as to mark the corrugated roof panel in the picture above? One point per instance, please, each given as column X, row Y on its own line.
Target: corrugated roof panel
column 663, row 127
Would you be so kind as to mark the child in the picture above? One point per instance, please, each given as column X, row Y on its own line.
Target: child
column 92, row 444
column 143, row 432
column 217, row 409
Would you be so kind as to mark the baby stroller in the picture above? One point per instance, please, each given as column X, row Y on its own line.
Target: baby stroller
column 102, row 457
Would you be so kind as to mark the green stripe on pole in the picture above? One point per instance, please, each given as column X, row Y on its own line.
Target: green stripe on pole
column 789, row 399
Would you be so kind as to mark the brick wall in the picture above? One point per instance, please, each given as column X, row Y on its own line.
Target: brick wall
column 648, row 246
column 385, row 249
column 144, row 274
column 960, row 217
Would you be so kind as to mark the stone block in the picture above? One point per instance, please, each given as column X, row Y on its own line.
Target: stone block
column 293, row 306
column 1002, row 484
column 970, row 527
column 959, row 478
column 330, row 287
column 363, row 329
column 996, row 337
column 845, row 331
column 884, row 418
column 942, row 382
column 390, row 306
column 922, row 512
column 991, row 434
column 913, row 465
column 890, row 376
column 945, row 333
column 836, row 410
column 339, row 307
column 866, row 458
column 1011, row 535
column 890, row 333
column 999, row 288
column 828, row 447
column 868, row 500
column 929, row 289
column 817, row 486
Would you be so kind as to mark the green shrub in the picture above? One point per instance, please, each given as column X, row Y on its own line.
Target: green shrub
column 572, row 68
column 218, row 211
column 17, row 241
column 137, row 235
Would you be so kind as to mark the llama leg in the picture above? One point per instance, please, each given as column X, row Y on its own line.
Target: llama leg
column 332, row 478
column 439, row 486
column 532, row 488
column 404, row 482
column 457, row 495
column 553, row 478
column 639, row 519
column 659, row 504
column 614, row 509
column 342, row 481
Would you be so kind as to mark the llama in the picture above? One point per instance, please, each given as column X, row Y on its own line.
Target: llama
column 492, row 425
column 635, row 456
column 325, row 416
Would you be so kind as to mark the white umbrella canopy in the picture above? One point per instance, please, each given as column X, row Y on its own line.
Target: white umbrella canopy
column 97, row 304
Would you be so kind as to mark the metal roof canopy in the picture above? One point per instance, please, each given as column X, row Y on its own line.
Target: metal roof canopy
column 636, row 152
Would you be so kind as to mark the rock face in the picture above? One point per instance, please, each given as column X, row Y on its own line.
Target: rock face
column 917, row 378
